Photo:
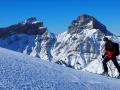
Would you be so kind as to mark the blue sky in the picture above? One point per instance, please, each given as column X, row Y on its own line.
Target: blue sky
column 58, row 14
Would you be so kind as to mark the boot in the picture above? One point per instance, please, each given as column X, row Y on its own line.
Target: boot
column 105, row 74
column 118, row 77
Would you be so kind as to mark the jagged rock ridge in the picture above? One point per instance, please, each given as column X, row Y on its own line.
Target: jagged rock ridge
column 30, row 26
column 87, row 22
column 29, row 37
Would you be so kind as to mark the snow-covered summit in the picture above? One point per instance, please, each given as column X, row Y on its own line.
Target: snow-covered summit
column 30, row 37
column 81, row 47
column 81, row 44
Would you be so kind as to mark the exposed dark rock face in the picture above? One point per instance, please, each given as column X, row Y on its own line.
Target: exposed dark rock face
column 86, row 22
column 30, row 26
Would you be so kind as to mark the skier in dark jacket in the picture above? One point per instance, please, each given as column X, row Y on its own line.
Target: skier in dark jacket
column 110, row 54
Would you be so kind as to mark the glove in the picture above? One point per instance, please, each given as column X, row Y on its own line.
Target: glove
column 103, row 56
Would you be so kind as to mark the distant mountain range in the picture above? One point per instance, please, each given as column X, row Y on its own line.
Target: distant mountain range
column 79, row 47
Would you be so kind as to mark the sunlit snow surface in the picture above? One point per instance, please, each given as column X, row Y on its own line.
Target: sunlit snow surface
column 22, row 72
column 81, row 50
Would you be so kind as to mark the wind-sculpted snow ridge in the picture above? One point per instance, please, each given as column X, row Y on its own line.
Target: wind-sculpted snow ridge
column 23, row 72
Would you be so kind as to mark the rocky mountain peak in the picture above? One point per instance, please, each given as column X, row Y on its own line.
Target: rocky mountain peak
column 84, row 18
column 86, row 22
column 31, row 20
column 30, row 26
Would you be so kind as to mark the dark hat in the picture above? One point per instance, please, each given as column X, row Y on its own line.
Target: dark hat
column 105, row 39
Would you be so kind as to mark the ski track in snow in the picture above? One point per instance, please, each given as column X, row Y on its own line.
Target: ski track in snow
column 22, row 72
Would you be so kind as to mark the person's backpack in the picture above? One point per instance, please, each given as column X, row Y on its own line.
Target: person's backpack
column 116, row 47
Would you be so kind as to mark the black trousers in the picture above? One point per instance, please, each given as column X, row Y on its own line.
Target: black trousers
column 114, row 60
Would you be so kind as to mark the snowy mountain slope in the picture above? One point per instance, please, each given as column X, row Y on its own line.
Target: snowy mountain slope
column 81, row 44
column 28, row 37
column 80, row 47
column 23, row 72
